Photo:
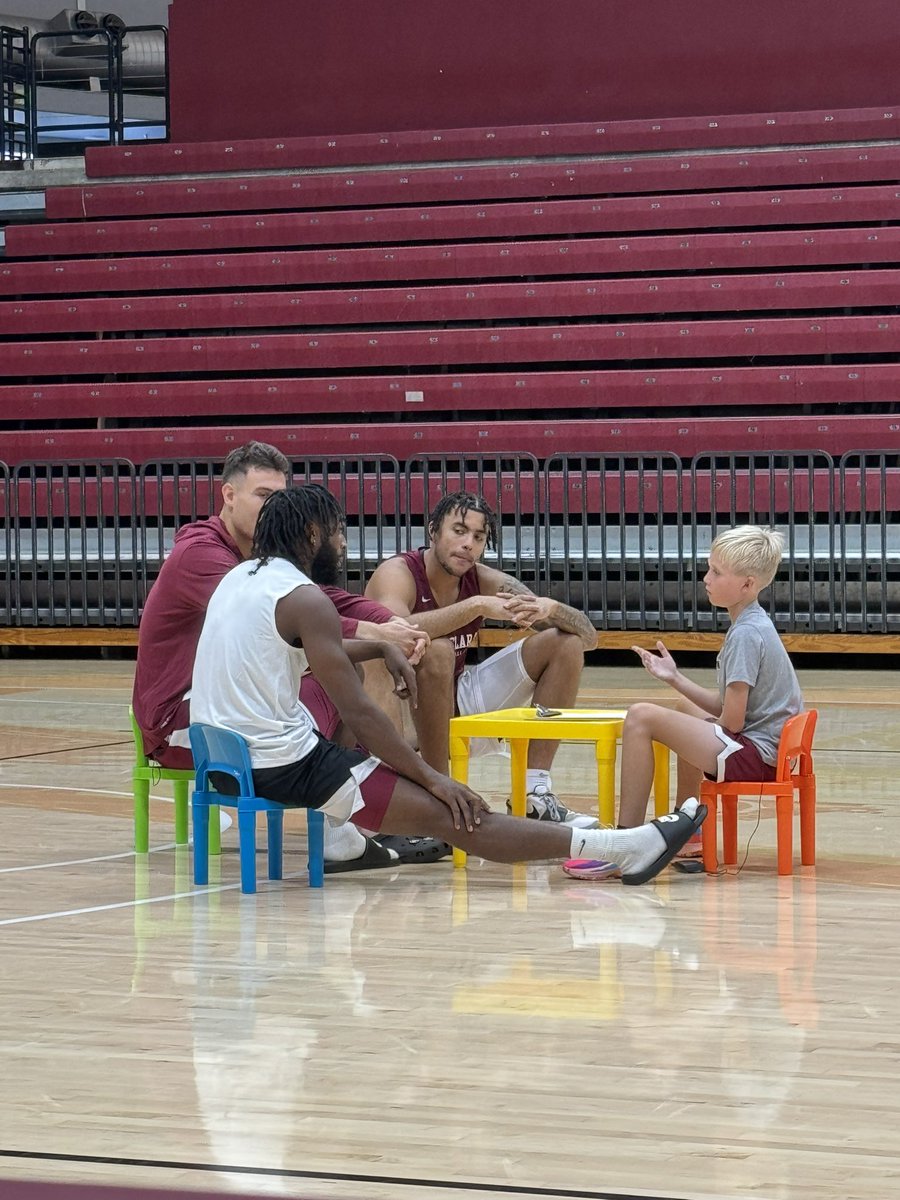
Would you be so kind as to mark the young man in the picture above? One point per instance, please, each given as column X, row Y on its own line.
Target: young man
column 732, row 731
column 267, row 620
column 451, row 592
column 203, row 553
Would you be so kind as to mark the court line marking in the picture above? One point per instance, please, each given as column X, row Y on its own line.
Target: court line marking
column 201, row 891
column 73, row 862
column 449, row 1185
column 88, row 791
column 76, row 862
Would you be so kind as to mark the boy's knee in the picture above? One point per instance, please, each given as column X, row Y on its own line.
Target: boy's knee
column 640, row 716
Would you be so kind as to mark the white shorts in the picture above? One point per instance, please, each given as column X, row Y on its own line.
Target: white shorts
column 501, row 681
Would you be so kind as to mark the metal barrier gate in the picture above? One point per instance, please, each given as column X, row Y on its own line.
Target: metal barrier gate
column 623, row 538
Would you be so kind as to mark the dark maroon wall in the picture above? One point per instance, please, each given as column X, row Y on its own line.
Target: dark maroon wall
column 294, row 67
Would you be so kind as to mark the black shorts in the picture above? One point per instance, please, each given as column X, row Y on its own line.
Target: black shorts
column 318, row 777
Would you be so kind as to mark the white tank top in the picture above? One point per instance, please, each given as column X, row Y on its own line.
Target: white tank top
column 246, row 676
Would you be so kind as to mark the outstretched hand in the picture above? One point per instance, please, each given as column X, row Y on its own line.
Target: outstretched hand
column 661, row 666
column 465, row 805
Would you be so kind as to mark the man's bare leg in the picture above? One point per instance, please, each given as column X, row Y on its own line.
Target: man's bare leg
column 430, row 719
column 380, row 687
column 501, row 838
column 436, row 704
column 555, row 661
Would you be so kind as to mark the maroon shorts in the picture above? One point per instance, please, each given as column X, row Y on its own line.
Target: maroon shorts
column 745, row 764
column 313, row 780
column 326, row 717
column 376, row 791
column 178, row 758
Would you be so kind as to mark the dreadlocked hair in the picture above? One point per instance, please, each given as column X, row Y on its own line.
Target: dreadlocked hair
column 284, row 521
column 463, row 503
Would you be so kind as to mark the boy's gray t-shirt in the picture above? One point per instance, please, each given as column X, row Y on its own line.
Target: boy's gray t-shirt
column 754, row 653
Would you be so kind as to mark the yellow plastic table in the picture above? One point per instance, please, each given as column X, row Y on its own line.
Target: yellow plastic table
column 519, row 726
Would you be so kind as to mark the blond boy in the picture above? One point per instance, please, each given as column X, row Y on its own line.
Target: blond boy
column 731, row 731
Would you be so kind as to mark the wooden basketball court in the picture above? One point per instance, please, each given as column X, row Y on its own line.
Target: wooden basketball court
column 429, row 1033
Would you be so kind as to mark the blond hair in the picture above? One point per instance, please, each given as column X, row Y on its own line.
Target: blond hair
column 750, row 550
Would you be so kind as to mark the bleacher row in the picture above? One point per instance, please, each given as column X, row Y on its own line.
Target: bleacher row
column 625, row 333
column 678, row 286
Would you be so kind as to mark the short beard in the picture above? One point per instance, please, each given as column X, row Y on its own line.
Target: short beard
column 326, row 566
column 445, row 567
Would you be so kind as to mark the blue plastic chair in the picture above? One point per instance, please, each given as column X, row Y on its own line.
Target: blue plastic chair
column 221, row 750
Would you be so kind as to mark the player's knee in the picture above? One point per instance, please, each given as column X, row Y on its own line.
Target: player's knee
column 555, row 646
column 570, row 645
column 438, row 661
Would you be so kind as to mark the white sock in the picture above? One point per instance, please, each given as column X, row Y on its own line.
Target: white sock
column 535, row 778
column 343, row 842
column 630, row 849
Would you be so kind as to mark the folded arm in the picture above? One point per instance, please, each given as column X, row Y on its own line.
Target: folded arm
column 537, row 612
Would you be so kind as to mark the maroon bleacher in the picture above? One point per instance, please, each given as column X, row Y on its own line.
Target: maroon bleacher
column 866, row 388
column 313, row 350
column 679, row 286
column 428, row 185
column 469, row 260
column 687, row 437
column 814, row 207
column 516, row 141
column 657, row 296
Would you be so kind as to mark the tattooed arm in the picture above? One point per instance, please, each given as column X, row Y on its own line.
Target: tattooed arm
column 536, row 612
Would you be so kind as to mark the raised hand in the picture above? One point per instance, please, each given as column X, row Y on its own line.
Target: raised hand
column 661, row 666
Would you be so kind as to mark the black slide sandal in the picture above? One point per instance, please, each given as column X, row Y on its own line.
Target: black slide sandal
column 416, row 849
column 676, row 828
column 372, row 857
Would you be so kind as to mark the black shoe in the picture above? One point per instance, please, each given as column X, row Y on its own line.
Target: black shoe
column 416, row 849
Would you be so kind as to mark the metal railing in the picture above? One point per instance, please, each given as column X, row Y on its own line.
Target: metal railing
column 15, row 98
column 7, row 613
column 29, row 62
column 624, row 539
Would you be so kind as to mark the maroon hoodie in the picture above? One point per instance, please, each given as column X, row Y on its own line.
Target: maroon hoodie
column 172, row 619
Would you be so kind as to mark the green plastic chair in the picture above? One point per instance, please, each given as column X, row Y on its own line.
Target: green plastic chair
column 143, row 774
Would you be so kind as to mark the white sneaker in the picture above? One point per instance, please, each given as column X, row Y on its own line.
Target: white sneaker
column 544, row 805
